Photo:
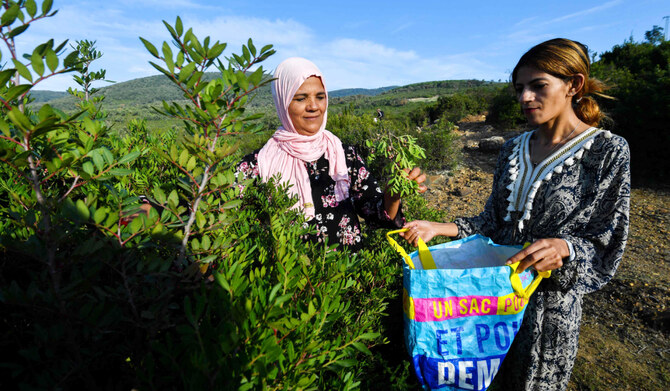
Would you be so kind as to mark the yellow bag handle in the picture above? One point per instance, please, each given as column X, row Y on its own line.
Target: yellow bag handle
column 428, row 263
column 516, row 281
column 424, row 253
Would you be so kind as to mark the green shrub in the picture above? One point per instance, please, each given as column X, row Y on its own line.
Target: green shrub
column 639, row 74
column 205, row 290
column 504, row 110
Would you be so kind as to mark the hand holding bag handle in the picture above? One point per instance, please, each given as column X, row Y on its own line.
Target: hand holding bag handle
column 424, row 253
column 428, row 263
column 516, row 281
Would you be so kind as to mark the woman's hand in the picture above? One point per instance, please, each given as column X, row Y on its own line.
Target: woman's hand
column 427, row 230
column 542, row 255
column 419, row 229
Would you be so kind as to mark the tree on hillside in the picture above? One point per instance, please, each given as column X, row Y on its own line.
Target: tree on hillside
column 639, row 73
column 655, row 35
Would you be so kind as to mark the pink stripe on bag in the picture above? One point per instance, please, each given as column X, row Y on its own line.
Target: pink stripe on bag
column 438, row 309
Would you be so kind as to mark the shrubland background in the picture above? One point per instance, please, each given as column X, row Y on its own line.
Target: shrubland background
column 213, row 288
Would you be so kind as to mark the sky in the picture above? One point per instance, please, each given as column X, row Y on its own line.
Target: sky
column 356, row 44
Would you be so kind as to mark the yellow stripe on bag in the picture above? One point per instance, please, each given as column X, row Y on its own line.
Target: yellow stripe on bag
column 408, row 304
column 424, row 253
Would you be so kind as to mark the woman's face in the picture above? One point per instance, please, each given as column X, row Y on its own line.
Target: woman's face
column 543, row 97
column 308, row 107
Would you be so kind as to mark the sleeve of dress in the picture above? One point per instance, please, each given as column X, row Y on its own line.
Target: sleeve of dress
column 486, row 223
column 366, row 195
column 247, row 168
column 600, row 245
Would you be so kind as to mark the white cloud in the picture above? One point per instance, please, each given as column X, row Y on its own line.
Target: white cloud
column 346, row 62
column 588, row 11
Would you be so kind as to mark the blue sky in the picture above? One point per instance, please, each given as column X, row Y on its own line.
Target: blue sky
column 360, row 43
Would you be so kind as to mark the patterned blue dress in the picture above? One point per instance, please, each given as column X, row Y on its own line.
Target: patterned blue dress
column 338, row 221
column 580, row 193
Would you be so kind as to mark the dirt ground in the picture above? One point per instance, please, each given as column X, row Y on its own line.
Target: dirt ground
column 625, row 333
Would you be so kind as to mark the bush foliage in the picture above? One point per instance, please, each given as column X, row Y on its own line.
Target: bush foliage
column 207, row 288
column 639, row 74
column 130, row 258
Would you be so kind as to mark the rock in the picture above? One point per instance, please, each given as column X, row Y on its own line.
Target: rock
column 463, row 191
column 471, row 145
column 433, row 180
column 488, row 128
column 491, row 144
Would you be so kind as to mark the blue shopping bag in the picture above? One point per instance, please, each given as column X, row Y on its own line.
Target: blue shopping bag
column 463, row 307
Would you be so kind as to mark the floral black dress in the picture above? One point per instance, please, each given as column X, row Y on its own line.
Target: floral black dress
column 338, row 222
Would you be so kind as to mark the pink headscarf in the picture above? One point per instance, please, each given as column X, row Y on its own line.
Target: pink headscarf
column 287, row 151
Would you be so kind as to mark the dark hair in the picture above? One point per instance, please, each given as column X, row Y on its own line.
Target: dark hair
column 564, row 58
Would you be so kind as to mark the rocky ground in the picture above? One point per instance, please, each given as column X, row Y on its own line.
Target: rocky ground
column 625, row 333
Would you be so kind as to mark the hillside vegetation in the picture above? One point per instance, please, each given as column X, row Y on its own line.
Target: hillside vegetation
column 131, row 259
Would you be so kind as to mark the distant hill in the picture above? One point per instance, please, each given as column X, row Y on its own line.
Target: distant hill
column 359, row 91
column 154, row 89
column 136, row 99
column 45, row 96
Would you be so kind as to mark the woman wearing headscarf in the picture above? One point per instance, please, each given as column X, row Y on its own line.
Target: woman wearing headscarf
column 564, row 187
column 330, row 179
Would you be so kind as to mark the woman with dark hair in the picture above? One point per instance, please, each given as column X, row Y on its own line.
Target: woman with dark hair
column 563, row 187
column 330, row 179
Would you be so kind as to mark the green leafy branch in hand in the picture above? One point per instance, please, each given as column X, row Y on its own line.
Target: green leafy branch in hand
column 396, row 155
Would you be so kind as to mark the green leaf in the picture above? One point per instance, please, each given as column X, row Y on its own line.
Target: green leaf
column 217, row 50
column 23, row 70
column 4, row 126
column 130, row 157
column 135, row 225
column 232, row 204
column 179, row 27
column 346, row 363
column 252, row 48
column 82, row 209
column 18, row 30
column 71, row 59
column 16, row 91
column 37, row 63
column 121, row 171
column 46, row 6
column 97, row 159
column 186, row 72
column 6, row 75
column 245, row 53
column 173, row 32
column 362, row 348
column 159, row 195
column 173, row 199
column 200, row 220
column 369, row 336
column 191, row 163
column 31, row 7
column 88, row 168
column 52, row 60
column 183, row 158
column 19, row 119
column 256, row 77
column 150, row 47
column 99, row 215
column 10, row 15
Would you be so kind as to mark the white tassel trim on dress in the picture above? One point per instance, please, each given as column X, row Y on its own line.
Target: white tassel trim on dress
column 514, row 173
